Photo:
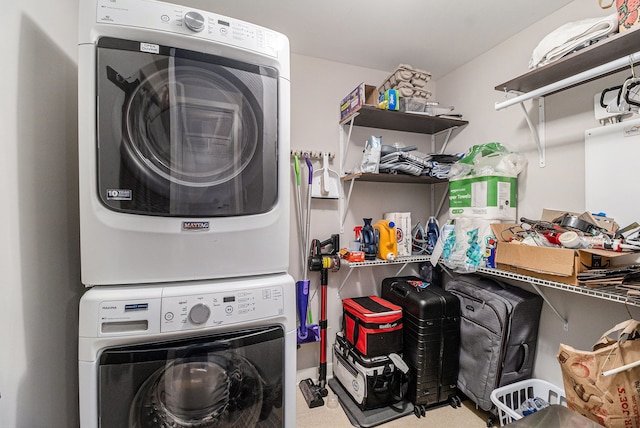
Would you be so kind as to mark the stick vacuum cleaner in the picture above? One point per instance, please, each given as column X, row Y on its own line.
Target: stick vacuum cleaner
column 323, row 257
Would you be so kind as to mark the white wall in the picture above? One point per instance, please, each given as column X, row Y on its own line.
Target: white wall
column 38, row 221
column 560, row 184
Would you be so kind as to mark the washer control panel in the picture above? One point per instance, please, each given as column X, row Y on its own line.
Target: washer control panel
column 178, row 19
column 220, row 308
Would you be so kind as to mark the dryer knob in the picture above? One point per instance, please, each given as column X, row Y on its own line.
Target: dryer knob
column 194, row 21
column 199, row 314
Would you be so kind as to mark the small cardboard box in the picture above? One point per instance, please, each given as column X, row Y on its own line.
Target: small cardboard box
column 362, row 94
column 548, row 263
column 389, row 100
column 484, row 196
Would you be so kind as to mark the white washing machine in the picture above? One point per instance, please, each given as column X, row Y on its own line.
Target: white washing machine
column 184, row 120
column 211, row 354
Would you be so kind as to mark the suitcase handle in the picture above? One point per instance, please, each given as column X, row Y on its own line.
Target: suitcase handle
column 525, row 358
column 398, row 291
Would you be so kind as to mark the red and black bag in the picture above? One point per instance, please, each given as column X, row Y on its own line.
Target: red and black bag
column 372, row 325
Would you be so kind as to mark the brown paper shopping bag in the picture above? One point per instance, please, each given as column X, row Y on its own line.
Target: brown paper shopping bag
column 611, row 400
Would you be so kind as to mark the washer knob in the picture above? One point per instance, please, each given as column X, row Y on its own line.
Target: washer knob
column 194, row 21
column 199, row 314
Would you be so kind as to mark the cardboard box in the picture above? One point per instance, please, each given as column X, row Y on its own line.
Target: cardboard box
column 548, row 263
column 388, row 100
column 483, row 196
column 402, row 221
column 362, row 94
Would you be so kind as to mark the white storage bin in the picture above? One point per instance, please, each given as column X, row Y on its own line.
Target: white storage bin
column 509, row 397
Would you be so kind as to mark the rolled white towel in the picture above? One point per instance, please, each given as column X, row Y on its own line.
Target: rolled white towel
column 570, row 36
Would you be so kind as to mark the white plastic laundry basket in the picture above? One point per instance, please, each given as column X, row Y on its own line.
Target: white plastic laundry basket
column 509, row 397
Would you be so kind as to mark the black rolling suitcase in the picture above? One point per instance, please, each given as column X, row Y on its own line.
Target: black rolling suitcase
column 431, row 343
column 498, row 335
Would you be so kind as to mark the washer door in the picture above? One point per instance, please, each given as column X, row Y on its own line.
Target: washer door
column 221, row 390
column 184, row 134
column 217, row 381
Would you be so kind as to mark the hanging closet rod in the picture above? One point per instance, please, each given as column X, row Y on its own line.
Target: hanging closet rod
column 600, row 70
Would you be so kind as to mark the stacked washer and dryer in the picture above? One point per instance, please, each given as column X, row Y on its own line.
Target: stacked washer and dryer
column 189, row 317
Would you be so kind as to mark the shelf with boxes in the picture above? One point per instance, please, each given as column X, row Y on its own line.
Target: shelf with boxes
column 370, row 116
column 566, row 269
column 357, row 110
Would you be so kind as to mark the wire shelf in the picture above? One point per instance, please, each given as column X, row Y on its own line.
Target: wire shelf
column 609, row 292
column 380, row 262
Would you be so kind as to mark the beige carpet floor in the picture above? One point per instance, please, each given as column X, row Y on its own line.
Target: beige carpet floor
column 466, row 416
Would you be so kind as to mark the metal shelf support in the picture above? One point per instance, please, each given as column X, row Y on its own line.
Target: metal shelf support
column 539, row 134
column 553, row 308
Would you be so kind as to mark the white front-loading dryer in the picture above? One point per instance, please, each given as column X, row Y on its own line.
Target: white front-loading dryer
column 183, row 144
column 209, row 354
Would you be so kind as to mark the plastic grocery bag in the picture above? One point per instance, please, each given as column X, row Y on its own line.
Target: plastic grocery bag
column 488, row 159
column 465, row 245
column 371, row 157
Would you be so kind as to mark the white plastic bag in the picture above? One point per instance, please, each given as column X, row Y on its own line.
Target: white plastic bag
column 371, row 157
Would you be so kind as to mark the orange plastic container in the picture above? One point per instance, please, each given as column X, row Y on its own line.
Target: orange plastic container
column 387, row 240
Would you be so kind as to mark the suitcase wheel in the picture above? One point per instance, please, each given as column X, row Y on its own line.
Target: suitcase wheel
column 419, row 410
column 452, row 402
column 456, row 401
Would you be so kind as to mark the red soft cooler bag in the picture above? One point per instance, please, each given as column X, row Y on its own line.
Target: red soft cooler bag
column 372, row 325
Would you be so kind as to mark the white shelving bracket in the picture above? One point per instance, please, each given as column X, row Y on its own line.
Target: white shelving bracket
column 344, row 205
column 538, row 134
column 553, row 308
column 446, row 139
column 344, row 281
column 344, row 144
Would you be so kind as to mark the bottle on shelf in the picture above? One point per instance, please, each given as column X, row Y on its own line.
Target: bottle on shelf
column 368, row 240
column 433, row 233
column 387, row 240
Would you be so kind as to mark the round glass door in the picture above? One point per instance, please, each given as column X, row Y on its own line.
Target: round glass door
column 182, row 133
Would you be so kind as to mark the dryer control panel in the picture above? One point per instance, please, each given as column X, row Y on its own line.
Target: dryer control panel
column 153, row 15
column 220, row 308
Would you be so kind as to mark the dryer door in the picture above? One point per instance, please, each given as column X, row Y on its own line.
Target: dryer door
column 181, row 133
column 229, row 380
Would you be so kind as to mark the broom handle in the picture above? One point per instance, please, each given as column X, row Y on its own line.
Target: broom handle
column 307, row 233
column 324, row 279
